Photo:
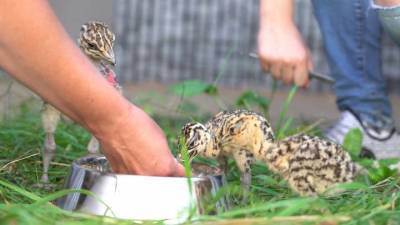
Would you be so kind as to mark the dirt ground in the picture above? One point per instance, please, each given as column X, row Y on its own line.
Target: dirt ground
column 306, row 105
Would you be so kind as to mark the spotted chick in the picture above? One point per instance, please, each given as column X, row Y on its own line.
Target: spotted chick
column 239, row 134
column 310, row 164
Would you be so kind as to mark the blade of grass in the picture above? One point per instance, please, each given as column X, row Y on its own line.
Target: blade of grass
column 20, row 191
column 285, row 128
column 299, row 203
column 303, row 219
column 59, row 194
column 188, row 173
column 17, row 160
column 285, row 107
column 223, row 66
column 310, row 127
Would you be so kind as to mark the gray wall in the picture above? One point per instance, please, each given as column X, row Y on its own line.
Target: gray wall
column 74, row 13
column 172, row 40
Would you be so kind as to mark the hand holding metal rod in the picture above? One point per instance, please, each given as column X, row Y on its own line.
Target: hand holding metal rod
column 312, row 74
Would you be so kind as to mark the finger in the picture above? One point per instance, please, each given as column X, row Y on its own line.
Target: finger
column 264, row 63
column 301, row 75
column 180, row 170
column 287, row 74
column 310, row 66
column 276, row 71
column 265, row 66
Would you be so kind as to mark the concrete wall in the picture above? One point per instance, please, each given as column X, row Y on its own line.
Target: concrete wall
column 73, row 13
column 173, row 40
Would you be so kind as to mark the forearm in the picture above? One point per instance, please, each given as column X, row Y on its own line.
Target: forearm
column 276, row 12
column 43, row 57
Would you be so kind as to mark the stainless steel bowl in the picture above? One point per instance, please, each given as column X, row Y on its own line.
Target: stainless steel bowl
column 142, row 197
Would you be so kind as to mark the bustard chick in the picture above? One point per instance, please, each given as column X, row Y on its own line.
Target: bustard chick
column 96, row 40
column 309, row 164
column 239, row 135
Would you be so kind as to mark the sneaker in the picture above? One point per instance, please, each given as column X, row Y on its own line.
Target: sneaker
column 378, row 143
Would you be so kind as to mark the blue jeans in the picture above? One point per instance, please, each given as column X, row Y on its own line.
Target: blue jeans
column 352, row 36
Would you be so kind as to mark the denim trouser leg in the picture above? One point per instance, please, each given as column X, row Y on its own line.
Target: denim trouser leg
column 352, row 36
column 390, row 18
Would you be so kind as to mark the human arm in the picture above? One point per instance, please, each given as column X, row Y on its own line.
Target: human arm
column 281, row 48
column 35, row 49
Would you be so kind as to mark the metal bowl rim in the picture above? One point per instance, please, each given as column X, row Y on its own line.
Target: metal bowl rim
column 76, row 163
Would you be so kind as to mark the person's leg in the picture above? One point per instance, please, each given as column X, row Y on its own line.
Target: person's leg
column 352, row 38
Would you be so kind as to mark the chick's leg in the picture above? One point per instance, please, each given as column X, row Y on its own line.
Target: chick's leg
column 223, row 164
column 243, row 160
column 50, row 118
column 93, row 146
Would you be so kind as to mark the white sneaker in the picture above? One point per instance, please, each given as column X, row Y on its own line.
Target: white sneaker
column 377, row 143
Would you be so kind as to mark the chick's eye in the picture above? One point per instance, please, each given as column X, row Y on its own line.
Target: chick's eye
column 91, row 45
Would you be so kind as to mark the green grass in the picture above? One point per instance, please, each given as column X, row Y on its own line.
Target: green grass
column 271, row 201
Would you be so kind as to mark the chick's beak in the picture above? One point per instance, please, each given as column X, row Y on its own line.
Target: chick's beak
column 110, row 57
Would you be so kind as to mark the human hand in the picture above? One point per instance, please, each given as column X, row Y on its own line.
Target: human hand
column 282, row 52
column 136, row 145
